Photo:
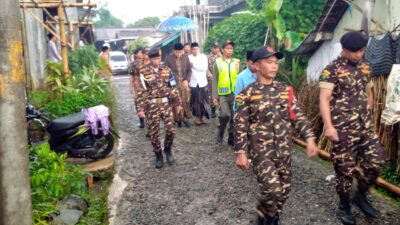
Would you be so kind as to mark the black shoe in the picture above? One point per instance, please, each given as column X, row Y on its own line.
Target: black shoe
column 159, row 160
column 179, row 124
column 361, row 201
column 231, row 139
column 141, row 123
column 345, row 215
column 213, row 113
column 169, row 156
column 261, row 220
column 186, row 123
column 148, row 135
column 220, row 137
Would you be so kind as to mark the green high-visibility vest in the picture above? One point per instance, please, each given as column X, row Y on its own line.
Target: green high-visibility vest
column 227, row 73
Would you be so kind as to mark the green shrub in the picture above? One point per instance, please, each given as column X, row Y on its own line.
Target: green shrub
column 84, row 57
column 74, row 102
column 40, row 98
column 51, row 180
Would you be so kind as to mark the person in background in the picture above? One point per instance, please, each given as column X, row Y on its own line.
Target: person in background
column 214, row 54
column 267, row 112
column 199, row 103
column 246, row 77
column 105, row 58
column 346, row 99
column 226, row 70
column 180, row 66
column 52, row 52
column 134, row 78
column 187, row 49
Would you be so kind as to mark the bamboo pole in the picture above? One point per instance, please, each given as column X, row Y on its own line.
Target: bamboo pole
column 55, row 5
column 64, row 49
column 44, row 25
column 379, row 181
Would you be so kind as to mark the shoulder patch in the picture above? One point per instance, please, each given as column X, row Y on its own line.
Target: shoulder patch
column 255, row 97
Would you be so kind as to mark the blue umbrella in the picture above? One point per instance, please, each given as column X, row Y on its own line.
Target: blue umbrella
column 176, row 24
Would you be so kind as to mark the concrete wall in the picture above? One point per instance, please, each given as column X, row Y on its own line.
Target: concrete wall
column 385, row 12
column 35, row 49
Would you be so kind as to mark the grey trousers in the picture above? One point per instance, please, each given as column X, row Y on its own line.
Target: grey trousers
column 226, row 112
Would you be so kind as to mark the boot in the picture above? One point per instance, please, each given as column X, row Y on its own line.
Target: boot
column 231, row 139
column 159, row 160
column 361, row 201
column 261, row 220
column 186, row 123
column 220, row 137
column 277, row 220
column 179, row 124
column 141, row 123
column 344, row 213
column 213, row 114
column 168, row 155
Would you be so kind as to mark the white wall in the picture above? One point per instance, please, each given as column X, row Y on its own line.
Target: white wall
column 385, row 12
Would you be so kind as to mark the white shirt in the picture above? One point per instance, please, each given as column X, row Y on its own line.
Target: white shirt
column 199, row 70
column 52, row 52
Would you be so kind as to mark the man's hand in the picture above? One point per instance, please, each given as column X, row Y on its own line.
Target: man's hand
column 331, row 133
column 141, row 114
column 209, row 75
column 215, row 102
column 185, row 84
column 179, row 109
column 312, row 148
column 241, row 161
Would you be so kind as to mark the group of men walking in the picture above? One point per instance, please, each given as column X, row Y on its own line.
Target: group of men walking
column 262, row 112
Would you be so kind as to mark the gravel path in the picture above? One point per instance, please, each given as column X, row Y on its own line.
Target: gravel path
column 204, row 187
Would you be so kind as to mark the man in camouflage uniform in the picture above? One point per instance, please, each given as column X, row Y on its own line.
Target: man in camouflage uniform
column 156, row 97
column 214, row 54
column 266, row 112
column 345, row 105
column 134, row 78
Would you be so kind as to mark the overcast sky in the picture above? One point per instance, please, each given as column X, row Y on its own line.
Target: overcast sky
column 131, row 10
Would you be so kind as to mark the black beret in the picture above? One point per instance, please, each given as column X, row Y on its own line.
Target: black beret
column 194, row 44
column 265, row 52
column 354, row 41
column 154, row 52
column 214, row 45
column 249, row 54
column 228, row 42
column 178, row 46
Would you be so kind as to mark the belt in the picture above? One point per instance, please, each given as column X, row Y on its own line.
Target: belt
column 159, row 100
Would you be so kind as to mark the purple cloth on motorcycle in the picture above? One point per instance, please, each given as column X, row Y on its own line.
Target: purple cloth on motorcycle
column 97, row 115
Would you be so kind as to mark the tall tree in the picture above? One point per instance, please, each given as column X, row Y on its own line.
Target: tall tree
column 150, row 21
column 106, row 19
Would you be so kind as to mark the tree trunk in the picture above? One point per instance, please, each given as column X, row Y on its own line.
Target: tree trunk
column 15, row 192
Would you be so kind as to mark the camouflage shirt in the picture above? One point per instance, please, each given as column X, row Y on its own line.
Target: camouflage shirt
column 348, row 83
column 211, row 61
column 155, row 84
column 263, row 117
column 134, row 67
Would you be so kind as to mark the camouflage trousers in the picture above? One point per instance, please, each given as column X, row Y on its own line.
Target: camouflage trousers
column 357, row 155
column 155, row 113
column 273, row 177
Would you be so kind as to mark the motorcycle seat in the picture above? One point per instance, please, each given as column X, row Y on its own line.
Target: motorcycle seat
column 66, row 122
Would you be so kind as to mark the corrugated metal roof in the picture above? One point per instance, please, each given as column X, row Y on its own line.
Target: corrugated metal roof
column 329, row 19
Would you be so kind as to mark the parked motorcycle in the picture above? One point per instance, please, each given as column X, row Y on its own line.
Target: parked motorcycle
column 69, row 135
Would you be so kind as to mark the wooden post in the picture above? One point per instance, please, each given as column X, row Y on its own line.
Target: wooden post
column 63, row 40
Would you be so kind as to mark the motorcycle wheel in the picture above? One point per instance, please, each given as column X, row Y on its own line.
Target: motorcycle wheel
column 104, row 146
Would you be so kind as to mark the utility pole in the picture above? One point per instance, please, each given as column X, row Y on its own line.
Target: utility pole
column 15, row 192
